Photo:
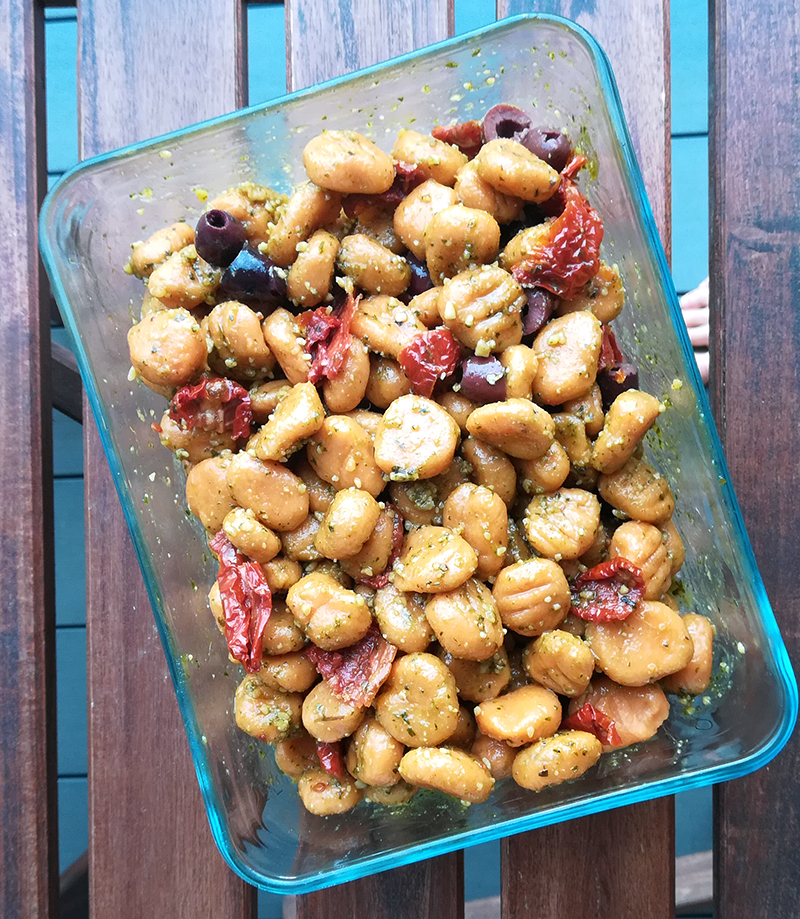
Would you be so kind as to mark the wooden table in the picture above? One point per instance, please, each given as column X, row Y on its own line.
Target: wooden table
column 147, row 68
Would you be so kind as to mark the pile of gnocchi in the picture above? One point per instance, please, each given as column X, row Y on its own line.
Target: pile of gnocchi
column 416, row 448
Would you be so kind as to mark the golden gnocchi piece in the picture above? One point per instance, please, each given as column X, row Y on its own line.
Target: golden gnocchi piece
column 281, row 635
column 458, row 238
column 391, row 795
column 296, row 417
column 184, row 280
column 239, row 349
column 291, row 672
column 562, row 524
column 466, row 621
column 347, row 162
column 482, row 307
column 516, row 426
column 346, row 390
column 309, row 278
column 285, row 339
column 452, row 771
column 473, row 191
column 401, row 619
column 629, row 418
column 276, row 496
column 637, row 711
column 250, row 536
column 589, row 408
column 496, row 755
column 560, row 661
column 695, row 677
column 168, row 348
column 434, row 560
column 567, row 349
column 479, row 680
column 554, row 760
column 435, row 159
column 323, row 794
column 372, row 267
column 491, row 468
column 520, row 716
column 651, row 643
column 481, row 517
column 532, row 596
column 296, row 754
column 416, row 439
column 192, row 445
column 326, row 717
column 638, row 491
column 310, row 208
column 373, row 755
column 385, row 325
column 255, row 206
column 341, row 453
column 418, row 703
column 674, row 545
column 281, row 573
column 347, row 524
column 332, row 616
column 520, row 363
column 157, row 248
column 207, row 493
column 513, row 170
column 264, row 713
column 603, row 295
column 299, row 544
column 417, row 209
column 644, row 545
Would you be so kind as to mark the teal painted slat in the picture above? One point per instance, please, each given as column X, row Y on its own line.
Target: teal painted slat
column 61, row 47
column 266, row 52
column 67, row 446
column 482, row 871
column 694, row 831
column 73, row 820
column 270, row 905
column 689, row 27
column 71, row 700
column 473, row 14
column 70, row 552
column 689, row 211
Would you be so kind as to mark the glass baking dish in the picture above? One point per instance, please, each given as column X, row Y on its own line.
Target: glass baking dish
column 557, row 72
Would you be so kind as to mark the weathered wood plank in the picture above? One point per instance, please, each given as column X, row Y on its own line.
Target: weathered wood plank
column 755, row 338
column 145, row 70
column 647, row 829
column 324, row 40
column 642, row 76
column 66, row 382
column 28, row 815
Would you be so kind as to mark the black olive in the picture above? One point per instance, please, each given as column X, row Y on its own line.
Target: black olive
column 254, row 279
column 506, row 122
column 549, row 145
column 420, row 278
column 218, row 237
column 541, row 304
column 616, row 380
column 483, row 379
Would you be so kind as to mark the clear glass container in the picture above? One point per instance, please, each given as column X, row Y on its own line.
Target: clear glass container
column 556, row 72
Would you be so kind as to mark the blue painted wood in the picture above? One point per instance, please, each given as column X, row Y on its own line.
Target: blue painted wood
column 266, row 52
column 689, row 28
column 473, row 14
column 689, row 211
column 67, row 446
column 73, row 820
column 61, row 44
column 71, row 683
column 70, row 552
column 693, row 824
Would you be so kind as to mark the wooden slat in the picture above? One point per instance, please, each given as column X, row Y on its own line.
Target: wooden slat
column 644, row 834
column 324, row 40
column 28, row 842
column 642, row 76
column 66, row 382
column 145, row 69
column 755, row 340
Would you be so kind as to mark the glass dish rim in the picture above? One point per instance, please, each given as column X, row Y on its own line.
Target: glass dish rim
column 784, row 674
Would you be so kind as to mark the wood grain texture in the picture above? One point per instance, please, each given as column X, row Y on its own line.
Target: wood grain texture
column 328, row 38
column 28, row 815
column 645, row 832
column 324, row 40
column 755, row 385
column 144, row 70
column 635, row 36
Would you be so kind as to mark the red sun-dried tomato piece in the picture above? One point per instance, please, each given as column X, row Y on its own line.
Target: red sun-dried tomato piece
column 431, row 356
column 608, row 592
column 328, row 338
column 466, row 135
column 406, row 178
column 376, row 581
column 574, row 166
column 213, row 404
column 355, row 674
column 593, row 721
column 246, row 602
column 610, row 354
column 331, row 758
column 568, row 255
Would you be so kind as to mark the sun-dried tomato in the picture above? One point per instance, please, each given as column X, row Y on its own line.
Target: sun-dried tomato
column 355, row 674
column 328, row 338
column 568, row 254
column 430, row 357
column 406, row 178
column 213, row 404
column 376, row 581
column 574, row 166
column 610, row 355
column 593, row 721
column 466, row 135
column 330, row 758
column 246, row 602
column 608, row 592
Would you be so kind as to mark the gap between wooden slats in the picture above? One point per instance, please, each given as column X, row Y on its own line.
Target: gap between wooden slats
column 28, row 813
column 755, row 341
column 145, row 69
column 534, row 881
column 324, row 40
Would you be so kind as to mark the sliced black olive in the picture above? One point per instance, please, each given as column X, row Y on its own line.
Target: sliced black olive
column 219, row 237
column 549, row 145
column 615, row 380
column 541, row 304
column 506, row 122
column 483, row 379
column 420, row 277
column 254, row 279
